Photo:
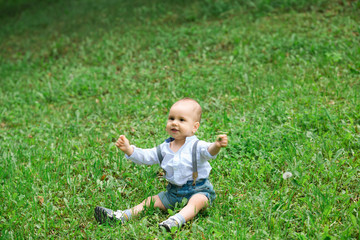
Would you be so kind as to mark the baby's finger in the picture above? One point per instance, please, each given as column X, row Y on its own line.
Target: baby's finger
column 224, row 141
column 221, row 137
column 120, row 139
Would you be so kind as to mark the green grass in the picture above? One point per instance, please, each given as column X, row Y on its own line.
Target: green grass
column 282, row 78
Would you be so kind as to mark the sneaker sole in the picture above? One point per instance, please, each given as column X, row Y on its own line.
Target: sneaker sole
column 164, row 227
column 101, row 215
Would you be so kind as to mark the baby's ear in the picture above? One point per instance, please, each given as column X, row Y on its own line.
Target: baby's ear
column 196, row 127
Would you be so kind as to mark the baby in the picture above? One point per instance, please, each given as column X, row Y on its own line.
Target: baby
column 185, row 161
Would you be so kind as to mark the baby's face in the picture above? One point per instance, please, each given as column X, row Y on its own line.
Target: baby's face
column 182, row 120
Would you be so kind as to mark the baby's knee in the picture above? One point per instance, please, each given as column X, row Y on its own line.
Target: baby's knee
column 154, row 201
column 199, row 200
column 149, row 201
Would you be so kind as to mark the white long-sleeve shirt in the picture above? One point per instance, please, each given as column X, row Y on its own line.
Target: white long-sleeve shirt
column 178, row 166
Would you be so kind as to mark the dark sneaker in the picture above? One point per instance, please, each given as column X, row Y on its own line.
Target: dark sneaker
column 103, row 215
column 169, row 224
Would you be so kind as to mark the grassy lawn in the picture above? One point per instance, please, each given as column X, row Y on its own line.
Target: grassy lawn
column 281, row 78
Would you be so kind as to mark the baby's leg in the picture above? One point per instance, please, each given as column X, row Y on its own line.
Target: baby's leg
column 103, row 215
column 195, row 204
column 148, row 202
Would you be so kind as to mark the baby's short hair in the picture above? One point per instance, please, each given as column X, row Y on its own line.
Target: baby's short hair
column 197, row 107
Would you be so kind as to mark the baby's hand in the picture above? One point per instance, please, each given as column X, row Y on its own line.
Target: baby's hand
column 221, row 140
column 124, row 145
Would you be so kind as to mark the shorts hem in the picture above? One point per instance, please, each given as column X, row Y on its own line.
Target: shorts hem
column 171, row 196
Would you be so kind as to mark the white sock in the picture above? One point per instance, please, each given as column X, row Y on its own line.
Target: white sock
column 128, row 213
column 179, row 219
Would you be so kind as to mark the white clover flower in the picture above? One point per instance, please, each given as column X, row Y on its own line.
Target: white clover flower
column 287, row 175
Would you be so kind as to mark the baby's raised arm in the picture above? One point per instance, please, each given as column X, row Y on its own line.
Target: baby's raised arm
column 221, row 141
column 124, row 145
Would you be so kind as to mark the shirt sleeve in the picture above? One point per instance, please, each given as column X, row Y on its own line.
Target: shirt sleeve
column 204, row 152
column 144, row 156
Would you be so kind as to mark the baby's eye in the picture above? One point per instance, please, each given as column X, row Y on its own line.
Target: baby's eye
column 171, row 118
column 182, row 120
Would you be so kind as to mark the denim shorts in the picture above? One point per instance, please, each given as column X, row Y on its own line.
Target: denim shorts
column 175, row 194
